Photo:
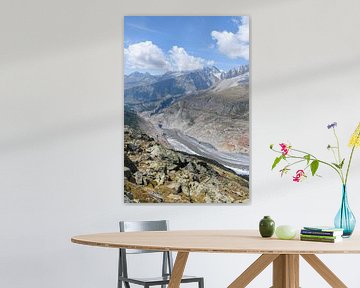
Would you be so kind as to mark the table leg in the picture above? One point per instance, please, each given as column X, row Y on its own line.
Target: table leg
column 286, row 271
column 253, row 270
column 178, row 269
column 324, row 271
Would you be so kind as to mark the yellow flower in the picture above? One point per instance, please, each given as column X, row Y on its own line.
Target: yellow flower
column 355, row 137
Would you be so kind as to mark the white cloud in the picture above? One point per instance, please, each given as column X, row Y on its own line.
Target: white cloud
column 181, row 61
column 236, row 20
column 145, row 55
column 148, row 56
column 234, row 45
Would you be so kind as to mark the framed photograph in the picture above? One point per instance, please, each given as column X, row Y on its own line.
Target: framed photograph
column 186, row 97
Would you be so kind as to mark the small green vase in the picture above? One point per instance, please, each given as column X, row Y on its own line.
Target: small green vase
column 267, row 227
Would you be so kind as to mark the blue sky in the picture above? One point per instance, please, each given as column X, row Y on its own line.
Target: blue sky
column 157, row 44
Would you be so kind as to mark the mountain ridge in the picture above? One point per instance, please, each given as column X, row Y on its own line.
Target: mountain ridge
column 232, row 72
column 144, row 91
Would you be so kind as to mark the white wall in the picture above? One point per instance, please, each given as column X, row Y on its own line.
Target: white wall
column 61, row 133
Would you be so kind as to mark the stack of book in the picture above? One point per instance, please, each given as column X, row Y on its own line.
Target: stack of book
column 321, row 234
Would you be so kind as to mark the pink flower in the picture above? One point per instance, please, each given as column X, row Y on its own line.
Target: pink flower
column 284, row 148
column 300, row 174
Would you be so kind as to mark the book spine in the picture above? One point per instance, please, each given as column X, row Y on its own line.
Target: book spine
column 318, row 236
column 319, row 233
column 317, row 239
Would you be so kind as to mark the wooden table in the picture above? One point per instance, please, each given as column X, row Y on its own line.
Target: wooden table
column 284, row 254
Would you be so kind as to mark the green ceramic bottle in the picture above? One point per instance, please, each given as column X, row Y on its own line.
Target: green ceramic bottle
column 266, row 226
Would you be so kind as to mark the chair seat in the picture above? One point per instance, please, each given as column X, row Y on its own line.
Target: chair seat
column 158, row 280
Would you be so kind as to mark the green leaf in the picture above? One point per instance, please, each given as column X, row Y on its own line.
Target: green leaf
column 314, row 166
column 339, row 166
column 276, row 162
column 336, row 165
column 342, row 163
column 284, row 171
column 307, row 157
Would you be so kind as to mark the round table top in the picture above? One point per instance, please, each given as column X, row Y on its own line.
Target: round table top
column 219, row 241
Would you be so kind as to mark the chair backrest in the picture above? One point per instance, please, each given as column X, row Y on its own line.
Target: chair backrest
column 137, row 226
column 133, row 226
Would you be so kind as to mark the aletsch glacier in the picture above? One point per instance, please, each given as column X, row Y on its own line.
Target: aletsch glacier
column 202, row 112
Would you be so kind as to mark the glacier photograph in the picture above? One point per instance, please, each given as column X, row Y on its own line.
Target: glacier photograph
column 186, row 109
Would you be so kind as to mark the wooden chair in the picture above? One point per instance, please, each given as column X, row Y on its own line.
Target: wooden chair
column 167, row 263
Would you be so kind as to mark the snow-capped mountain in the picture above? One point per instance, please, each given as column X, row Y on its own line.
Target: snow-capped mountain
column 227, row 83
column 137, row 79
column 144, row 91
column 235, row 72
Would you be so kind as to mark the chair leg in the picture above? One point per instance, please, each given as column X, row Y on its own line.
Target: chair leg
column 122, row 268
column 164, row 266
column 120, row 272
column 201, row 283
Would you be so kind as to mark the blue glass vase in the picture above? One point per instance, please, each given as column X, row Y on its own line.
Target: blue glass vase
column 345, row 219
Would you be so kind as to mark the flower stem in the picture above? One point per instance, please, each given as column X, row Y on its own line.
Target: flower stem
column 304, row 152
column 338, row 146
column 296, row 162
column 338, row 171
column 311, row 159
column 333, row 152
column 339, row 156
column 348, row 167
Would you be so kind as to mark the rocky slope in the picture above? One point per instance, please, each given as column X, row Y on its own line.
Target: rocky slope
column 155, row 174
